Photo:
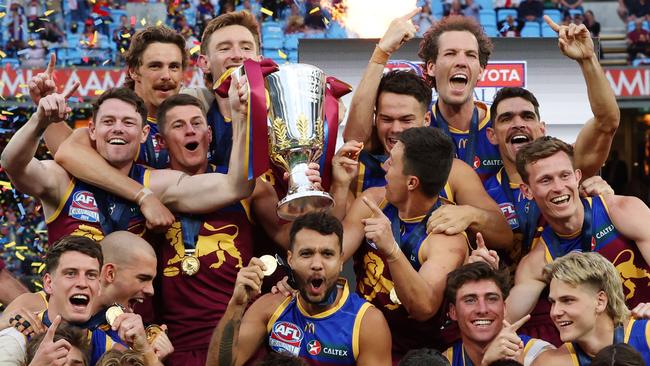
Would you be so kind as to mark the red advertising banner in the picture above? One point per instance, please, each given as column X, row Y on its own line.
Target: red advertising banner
column 629, row 82
column 13, row 82
column 497, row 74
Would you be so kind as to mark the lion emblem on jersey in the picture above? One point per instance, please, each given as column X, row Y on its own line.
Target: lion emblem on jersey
column 373, row 282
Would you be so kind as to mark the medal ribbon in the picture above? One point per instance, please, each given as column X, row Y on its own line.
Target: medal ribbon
column 191, row 225
column 528, row 219
column 334, row 90
column 586, row 236
column 470, row 149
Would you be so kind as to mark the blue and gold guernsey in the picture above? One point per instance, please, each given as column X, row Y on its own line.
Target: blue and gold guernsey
column 486, row 160
column 609, row 242
column 636, row 334
column 221, row 144
column 458, row 357
column 326, row 339
column 79, row 211
column 151, row 153
column 372, row 174
column 374, row 283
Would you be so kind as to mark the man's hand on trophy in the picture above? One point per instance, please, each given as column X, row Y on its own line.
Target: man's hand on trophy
column 345, row 164
column 400, row 31
column 238, row 96
column 313, row 175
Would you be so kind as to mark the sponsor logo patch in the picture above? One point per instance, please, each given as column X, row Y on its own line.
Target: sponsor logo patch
column 83, row 207
column 313, row 347
column 286, row 337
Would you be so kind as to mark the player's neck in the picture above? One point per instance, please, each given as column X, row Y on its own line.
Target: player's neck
column 192, row 170
column 573, row 225
column 124, row 168
column 601, row 336
column 416, row 204
column 511, row 170
column 315, row 309
column 474, row 350
column 457, row 116
column 224, row 106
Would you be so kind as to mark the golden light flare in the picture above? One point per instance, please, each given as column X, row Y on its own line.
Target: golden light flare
column 367, row 18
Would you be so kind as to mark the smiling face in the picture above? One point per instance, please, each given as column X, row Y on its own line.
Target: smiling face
column 553, row 184
column 73, row 287
column 317, row 261
column 575, row 309
column 515, row 125
column 117, row 132
column 456, row 68
column 479, row 310
column 187, row 137
column 396, row 113
column 228, row 47
column 160, row 74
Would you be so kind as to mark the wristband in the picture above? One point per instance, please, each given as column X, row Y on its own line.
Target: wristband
column 379, row 56
column 390, row 258
column 142, row 194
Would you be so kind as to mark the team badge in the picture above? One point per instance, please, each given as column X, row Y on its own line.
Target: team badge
column 84, row 207
column 286, row 338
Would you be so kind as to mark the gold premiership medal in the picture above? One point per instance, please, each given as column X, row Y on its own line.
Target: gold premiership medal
column 113, row 312
column 190, row 265
column 393, row 297
column 152, row 332
column 270, row 263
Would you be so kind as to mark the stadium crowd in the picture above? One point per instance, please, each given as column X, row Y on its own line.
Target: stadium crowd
column 162, row 245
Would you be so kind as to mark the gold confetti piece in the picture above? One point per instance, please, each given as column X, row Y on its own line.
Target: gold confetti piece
column 2, row 54
column 266, row 11
column 105, row 62
column 7, row 113
column 2, row 14
column 9, row 245
column 20, row 256
column 31, row 43
column 38, row 284
column 99, row 92
column 44, row 19
column 47, row 13
column 122, row 50
column 21, row 247
column 325, row 21
column 195, row 49
column 39, row 30
column 126, row 35
column 158, row 23
column 1, row 97
column 314, row 10
column 143, row 21
column 19, row 95
column 37, row 264
column 282, row 54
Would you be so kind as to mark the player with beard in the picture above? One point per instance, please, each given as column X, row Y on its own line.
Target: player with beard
column 126, row 278
column 324, row 324
column 192, row 302
column 399, row 268
column 73, row 207
column 72, row 282
column 614, row 226
column 477, row 296
column 589, row 311
column 398, row 101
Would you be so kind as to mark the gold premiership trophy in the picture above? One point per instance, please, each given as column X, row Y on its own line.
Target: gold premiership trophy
column 296, row 125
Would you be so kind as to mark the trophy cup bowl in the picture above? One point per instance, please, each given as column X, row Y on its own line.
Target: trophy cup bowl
column 296, row 125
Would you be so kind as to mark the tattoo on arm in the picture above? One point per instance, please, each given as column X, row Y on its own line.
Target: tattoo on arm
column 226, row 343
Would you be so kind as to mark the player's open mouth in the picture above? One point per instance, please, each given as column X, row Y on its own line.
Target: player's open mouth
column 564, row 323
column 117, row 141
column 458, row 81
column 192, row 146
column 134, row 301
column 482, row 322
column 560, row 200
column 519, row 139
column 79, row 301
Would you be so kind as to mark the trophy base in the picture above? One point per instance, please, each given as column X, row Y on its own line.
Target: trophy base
column 298, row 204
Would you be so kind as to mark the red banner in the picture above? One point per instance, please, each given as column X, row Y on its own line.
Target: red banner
column 502, row 74
column 629, row 82
column 13, row 82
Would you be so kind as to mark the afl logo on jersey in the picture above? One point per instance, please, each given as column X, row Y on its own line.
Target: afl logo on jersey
column 83, row 207
column 286, row 337
column 508, row 210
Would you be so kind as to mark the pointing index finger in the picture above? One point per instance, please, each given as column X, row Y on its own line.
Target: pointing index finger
column 516, row 325
column 49, row 335
column 551, row 23
column 372, row 206
column 480, row 243
column 72, row 90
column 50, row 66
